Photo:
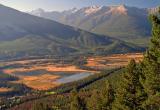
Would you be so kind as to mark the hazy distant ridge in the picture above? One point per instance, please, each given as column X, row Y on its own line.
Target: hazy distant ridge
column 116, row 21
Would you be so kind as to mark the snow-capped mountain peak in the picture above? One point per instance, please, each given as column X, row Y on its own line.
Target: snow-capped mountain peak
column 119, row 9
column 92, row 10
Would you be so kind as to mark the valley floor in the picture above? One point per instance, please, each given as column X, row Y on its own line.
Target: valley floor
column 44, row 74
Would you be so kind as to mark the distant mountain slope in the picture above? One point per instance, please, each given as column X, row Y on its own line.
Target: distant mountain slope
column 22, row 34
column 121, row 22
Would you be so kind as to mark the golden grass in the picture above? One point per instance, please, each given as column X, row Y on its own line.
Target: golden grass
column 47, row 81
column 39, row 82
column 50, row 68
column 117, row 60
column 64, row 69
column 3, row 89
column 43, row 81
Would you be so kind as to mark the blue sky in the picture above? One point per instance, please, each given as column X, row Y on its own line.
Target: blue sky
column 60, row 5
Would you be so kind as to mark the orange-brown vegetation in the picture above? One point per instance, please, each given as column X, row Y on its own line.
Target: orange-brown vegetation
column 39, row 82
column 113, row 61
column 47, row 81
column 50, row 68
column 43, row 81
column 3, row 89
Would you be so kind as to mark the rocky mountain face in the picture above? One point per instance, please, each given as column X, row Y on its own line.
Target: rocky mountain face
column 120, row 22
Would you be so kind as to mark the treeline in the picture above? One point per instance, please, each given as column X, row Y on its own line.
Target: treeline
column 139, row 88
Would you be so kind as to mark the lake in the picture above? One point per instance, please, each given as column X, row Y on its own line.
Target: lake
column 75, row 77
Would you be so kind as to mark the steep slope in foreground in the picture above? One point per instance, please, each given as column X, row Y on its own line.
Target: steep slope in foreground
column 121, row 22
column 22, row 34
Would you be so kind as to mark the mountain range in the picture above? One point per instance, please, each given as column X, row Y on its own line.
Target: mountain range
column 23, row 35
column 126, row 23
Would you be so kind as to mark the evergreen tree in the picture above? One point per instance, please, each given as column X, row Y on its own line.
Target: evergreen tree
column 40, row 106
column 107, row 96
column 130, row 95
column 94, row 101
column 151, row 66
column 76, row 102
column 102, row 100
